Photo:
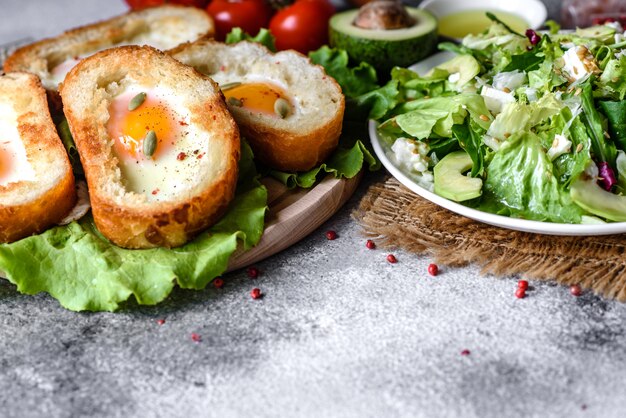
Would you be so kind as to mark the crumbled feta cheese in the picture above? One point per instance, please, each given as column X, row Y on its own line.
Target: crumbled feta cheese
column 496, row 99
column 578, row 62
column 412, row 156
column 560, row 146
column 615, row 25
column 454, row 77
column 511, row 80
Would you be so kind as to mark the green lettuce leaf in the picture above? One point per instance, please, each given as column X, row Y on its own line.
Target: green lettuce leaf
column 81, row 269
column 520, row 178
column 264, row 37
column 423, row 117
column 345, row 162
column 354, row 81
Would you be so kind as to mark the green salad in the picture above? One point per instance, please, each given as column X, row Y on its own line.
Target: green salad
column 531, row 126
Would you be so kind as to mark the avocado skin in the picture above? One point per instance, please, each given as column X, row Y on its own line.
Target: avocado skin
column 451, row 183
column 385, row 54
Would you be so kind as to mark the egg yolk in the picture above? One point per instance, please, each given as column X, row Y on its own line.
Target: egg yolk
column 6, row 163
column 128, row 128
column 258, row 97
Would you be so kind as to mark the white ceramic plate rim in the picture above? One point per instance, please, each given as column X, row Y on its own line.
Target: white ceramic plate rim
column 548, row 228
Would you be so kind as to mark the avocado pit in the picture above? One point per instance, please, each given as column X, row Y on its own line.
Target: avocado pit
column 383, row 15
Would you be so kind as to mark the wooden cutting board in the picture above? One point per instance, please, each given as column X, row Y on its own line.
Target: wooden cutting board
column 294, row 214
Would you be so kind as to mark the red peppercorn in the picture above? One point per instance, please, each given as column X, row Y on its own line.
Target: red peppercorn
column 196, row 338
column 392, row 259
column 370, row 244
column 575, row 290
column 331, row 235
column 253, row 272
column 160, row 321
column 433, row 269
column 522, row 284
column 465, row 352
column 256, row 293
column 181, row 156
column 520, row 293
column 218, row 283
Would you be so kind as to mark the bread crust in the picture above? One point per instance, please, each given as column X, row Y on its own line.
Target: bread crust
column 40, row 57
column 131, row 222
column 283, row 146
column 49, row 201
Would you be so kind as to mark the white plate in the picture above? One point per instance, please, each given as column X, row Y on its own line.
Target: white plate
column 381, row 148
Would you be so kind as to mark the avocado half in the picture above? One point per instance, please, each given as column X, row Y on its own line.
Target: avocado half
column 385, row 49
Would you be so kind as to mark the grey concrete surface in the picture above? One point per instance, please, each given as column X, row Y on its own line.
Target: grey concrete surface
column 339, row 333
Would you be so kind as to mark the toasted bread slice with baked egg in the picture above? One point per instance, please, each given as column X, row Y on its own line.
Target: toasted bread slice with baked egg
column 36, row 180
column 289, row 110
column 162, row 27
column 158, row 146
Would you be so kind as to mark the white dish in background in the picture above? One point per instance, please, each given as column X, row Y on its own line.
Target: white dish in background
column 381, row 148
column 534, row 12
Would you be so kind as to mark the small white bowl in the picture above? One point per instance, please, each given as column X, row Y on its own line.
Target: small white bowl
column 532, row 11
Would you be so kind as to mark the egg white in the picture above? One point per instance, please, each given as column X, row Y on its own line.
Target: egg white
column 166, row 177
column 11, row 144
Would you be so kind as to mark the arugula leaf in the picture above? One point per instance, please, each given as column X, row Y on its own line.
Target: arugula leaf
column 81, row 269
column 528, row 61
column 471, row 141
column 603, row 151
column 616, row 115
column 495, row 19
column 264, row 37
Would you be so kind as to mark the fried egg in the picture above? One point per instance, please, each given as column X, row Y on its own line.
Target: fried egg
column 168, row 170
column 255, row 94
column 14, row 164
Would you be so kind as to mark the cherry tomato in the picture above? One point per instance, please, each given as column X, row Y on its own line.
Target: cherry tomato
column 142, row 4
column 249, row 15
column 303, row 26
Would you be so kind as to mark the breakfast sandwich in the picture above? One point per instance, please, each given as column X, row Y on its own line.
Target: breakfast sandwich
column 289, row 110
column 36, row 180
column 158, row 146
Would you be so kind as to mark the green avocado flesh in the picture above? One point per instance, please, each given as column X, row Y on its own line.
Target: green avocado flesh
column 465, row 65
column 385, row 49
column 450, row 181
column 587, row 194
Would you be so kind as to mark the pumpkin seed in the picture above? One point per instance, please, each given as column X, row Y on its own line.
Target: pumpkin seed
column 229, row 86
column 136, row 101
column 282, row 108
column 149, row 144
column 233, row 101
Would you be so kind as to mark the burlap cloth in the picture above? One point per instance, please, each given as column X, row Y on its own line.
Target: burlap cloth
column 397, row 217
